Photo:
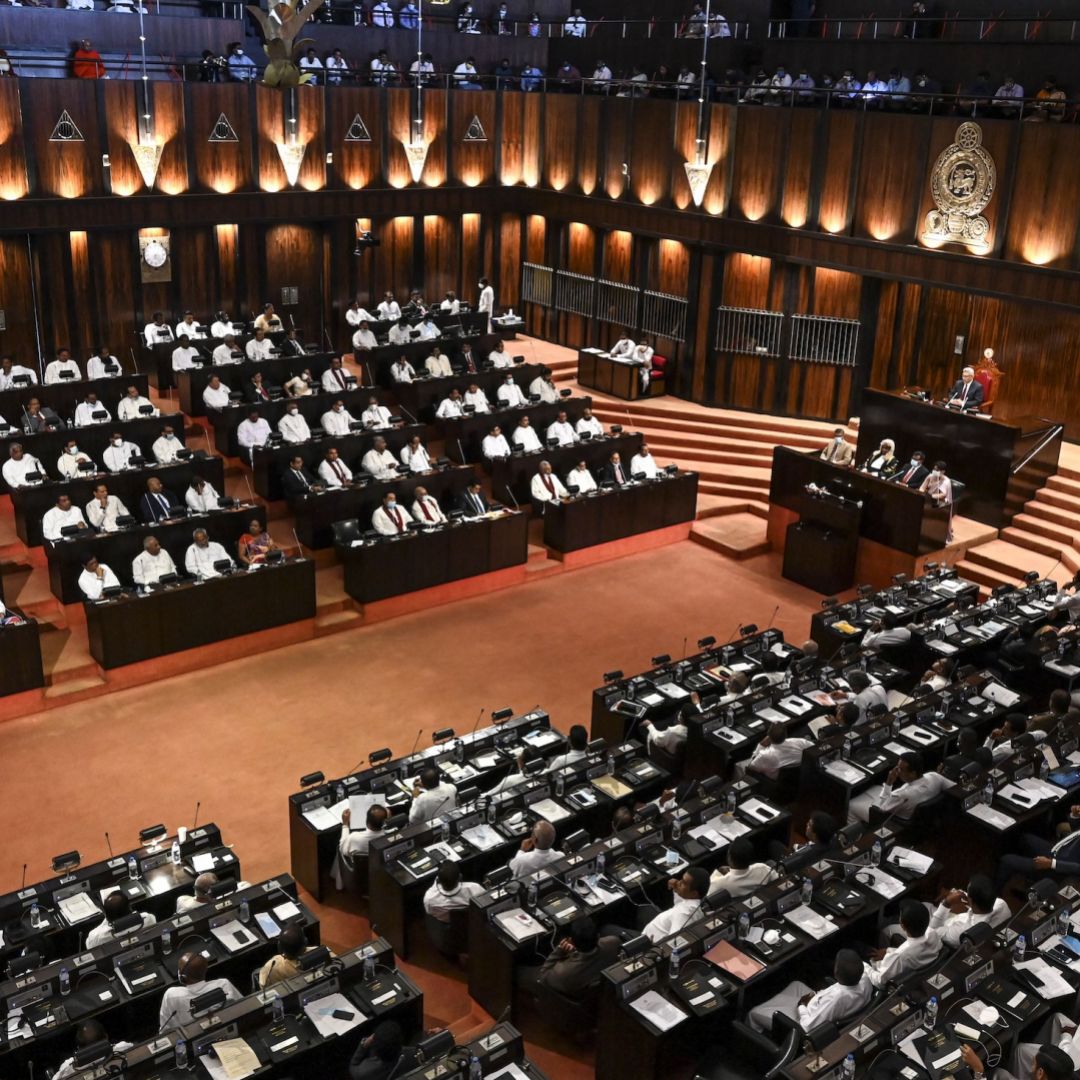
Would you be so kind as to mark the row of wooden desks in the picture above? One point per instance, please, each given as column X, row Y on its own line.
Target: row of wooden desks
column 464, row 436
column 277, row 371
column 63, row 397
column 420, row 398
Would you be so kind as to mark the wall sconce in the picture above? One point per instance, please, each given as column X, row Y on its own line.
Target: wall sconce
column 291, row 151
column 148, row 158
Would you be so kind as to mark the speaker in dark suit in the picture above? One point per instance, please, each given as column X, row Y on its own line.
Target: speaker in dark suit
column 614, row 472
column 913, row 473
column 255, row 391
column 297, row 480
column 157, row 504
column 967, row 393
column 292, row 345
column 472, row 501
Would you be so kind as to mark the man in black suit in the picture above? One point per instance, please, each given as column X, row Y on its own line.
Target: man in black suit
column 382, row 1054
column 296, row 480
column 255, row 391
column 613, row 472
column 472, row 500
column 1040, row 856
column 292, row 345
column 966, row 392
column 820, row 832
column 157, row 504
column 914, row 472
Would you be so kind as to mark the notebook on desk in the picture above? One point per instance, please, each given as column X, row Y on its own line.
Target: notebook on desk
column 734, row 961
column 610, row 786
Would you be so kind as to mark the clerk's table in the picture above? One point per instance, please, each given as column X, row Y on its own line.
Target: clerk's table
column 613, row 375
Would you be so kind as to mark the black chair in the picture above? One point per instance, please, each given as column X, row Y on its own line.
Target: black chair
column 451, row 938
column 574, row 1016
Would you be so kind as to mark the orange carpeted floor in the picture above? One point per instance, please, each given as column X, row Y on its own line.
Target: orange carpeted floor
column 239, row 736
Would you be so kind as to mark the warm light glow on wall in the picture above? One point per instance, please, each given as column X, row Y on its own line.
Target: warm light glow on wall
column 472, row 175
column 223, row 185
column 78, row 245
column 648, row 194
column 754, row 205
column 882, row 226
column 795, row 216
column 833, row 222
column 1041, row 252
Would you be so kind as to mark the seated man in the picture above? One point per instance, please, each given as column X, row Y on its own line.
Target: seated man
column 253, row 431
column 907, row 786
column 256, row 390
column 89, row 411
column 838, row 451
column 379, row 462
column 574, row 967
column 537, row 851
column 116, row 907
column 157, row 330
column 388, row 307
column 337, row 420
column 431, row 796
column 184, row 355
column 95, row 578
column 415, row 456
column 228, row 352
column 364, row 340
column 297, row 480
column 588, row 424
column 525, row 437
column 1001, row 741
column 849, row 994
column 200, row 893
column 132, row 404
column 776, row 751
column 259, row 347
column 919, row 948
column 578, row 749
column 742, row 875
column 466, row 363
column 671, row 737
column 292, row 944
column 868, row 693
column 293, row 427
column 202, row 554
column 10, row 371
column 399, row 333
column 189, row 326
column 1058, row 1033
column 624, row 346
column 119, row 453
column 546, row 486
column 688, row 891
column 222, row 326
column 350, row 863
column 499, row 357
column 333, row 472
column 959, row 910
column 62, row 369
column 68, row 464
column 103, row 509
column 562, row 430
column 476, row 397
column 544, row 387
column 175, row 1011
column 375, row 415
column 888, row 632
column 383, row 1054
column 390, row 519
column 336, row 377
column 472, row 501
column 166, row 446
column 357, row 314
column 642, row 356
column 450, row 304
column 613, row 472
column 437, row 364
column 425, row 329
column 61, row 516
column 449, row 893
column 820, row 831
column 88, row 1033
column 966, row 393
column 643, row 463
column 201, row 497
column 509, row 394
column 216, row 394
column 495, row 445
column 579, row 477
column 291, row 345
column 151, row 564
column 402, row 371
column 451, row 407
column 914, row 472
column 426, row 509
column 38, row 418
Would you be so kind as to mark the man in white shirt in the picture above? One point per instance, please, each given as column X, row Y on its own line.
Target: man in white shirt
column 916, row 786
column 175, row 1008
column 86, row 410
column 116, row 906
column 355, row 315
column 918, row 950
column 742, row 875
column 95, row 578
column 222, row 326
column 216, row 394
column 389, row 308
column 62, row 369
column 401, row 371
column 776, row 751
column 670, row 739
column 486, row 304
column 337, row 419
column 337, row 67
column 184, row 355
column 575, row 26
column 537, row 851
column 336, row 377
column 689, row 890
column 886, row 633
column 333, row 472
column 19, row 464
column 167, row 446
column 61, row 516
column 588, row 424
column 525, row 437
column 624, row 346
column 449, row 893
column 643, row 462
column 10, row 371
column 450, row 304
column 642, row 356
column 850, row 993
column 151, row 564
column 102, row 365
column 960, row 910
column 268, row 321
column 415, row 456
column 253, row 431
column 543, row 386
column 562, row 430
column 546, row 486
column 379, row 462
column 259, row 347
column 426, row 509
column 129, row 406
column 465, row 74
column 157, row 330
column 293, row 427
column 68, row 463
column 430, row 797
column 355, row 843
column 103, row 509
column 578, row 750
column 390, row 519
column 399, row 333
column 375, row 415
column 364, row 340
column 310, row 64
column 476, row 397
column 422, row 70
column 426, row 330
column 451, row 407
column 438, row 364
column 601, row 77
column 201, row 497
column 580, row 478
column 228, row 352
column 499, row 357
column 495, row 445
column 189, row 327
column 202, row 554
column 510, row 395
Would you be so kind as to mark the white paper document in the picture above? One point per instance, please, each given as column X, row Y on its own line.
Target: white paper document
column 550, row 810
column 319, row 1013
column 510, row 1072
column 1052, row 983
column 78, row 908
column 883, row 884
column 992, row 817
column 658, row 1010
column 203, row 863
column 519, row 924
column 230, row 1059
column 483, row 837
column 234, row 935
column 910, row 860
column 846, row 771
column 810, row 922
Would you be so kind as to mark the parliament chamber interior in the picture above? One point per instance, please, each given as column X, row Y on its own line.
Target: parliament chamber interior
column 539, row 541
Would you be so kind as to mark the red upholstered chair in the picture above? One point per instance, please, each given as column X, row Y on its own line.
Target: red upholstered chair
column 658, row 376
column 988, row 375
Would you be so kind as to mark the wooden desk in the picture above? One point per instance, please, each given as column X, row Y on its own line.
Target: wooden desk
column 276, row 371
column 602, row 516
column 617, row 377
column 131, row 628
column 426, row 558
column 21, row 649
column 63, row 397
column 422, row 397
column 464, row 437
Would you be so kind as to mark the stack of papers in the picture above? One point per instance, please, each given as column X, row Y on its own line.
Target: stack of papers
column 810, row 922
column 918, row 734
column 321, row 818
column 847, row 771
column 541, row 738
column 234, row 935
column 992, row 817
column 320, row 1012
column 78, row 908
column 883, row 884
column 1052, row 984
column 610, row 786
column 1000, row 695
column 658, row 1011
column 487, row 760
column 550, row 810
column 483, row 837
column 774, row 716
column 915, row 861
column 204, row 862
column 519, row 924
column 1018, row 796
column 230, row 1059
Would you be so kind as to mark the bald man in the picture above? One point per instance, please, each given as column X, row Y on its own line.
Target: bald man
column 176, row 1002
column 203, row 884
column 537, row 851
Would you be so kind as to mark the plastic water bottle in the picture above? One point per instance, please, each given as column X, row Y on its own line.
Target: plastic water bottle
column 492, row 812
column 676, row 827
column 988, row 792
column 1062, row 922
column 277, row 1010
column 930, row 1016
column 459, row 751
column 875, row 854
column 65, row 981
column 369, row 965
column 732, row 801
column 475, row 1071
column 166, row 941
column 560, row 785
column 532, row 895
column 806, row 893
column 673, row 965
column 245, row 912
column 611, row 763
column 894, row 727
column 845, row 748
column 1044, row 768
column 1019, row 948
column 35, row 916
column 339, row 792
column 181, row 1054
column 176, row 852
column 133, row 868
column 848, row 1071
column 601, row 862
column 744, row 925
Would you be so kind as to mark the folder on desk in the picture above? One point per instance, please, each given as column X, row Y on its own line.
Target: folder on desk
column 230, row 1059
column 810, row 922
column 320, row 1013
column 610, row 786
column 234, row 935
column 734, row 961
column 550, row 810
column 78, row 908
column 519, row 924
column 204, row 862
column 483, row 837
column 994, row 818
column 658, row 1010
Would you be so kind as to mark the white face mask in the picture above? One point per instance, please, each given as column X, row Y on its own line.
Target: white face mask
column 73, row 450
column 118, row 442
column 839, row 438
column 937, row 473
column 292, row 412
column 391, row 504
column 170, row 435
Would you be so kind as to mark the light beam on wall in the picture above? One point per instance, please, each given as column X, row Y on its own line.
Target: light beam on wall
column 148, row 158
column 292, row 157
column 416, row 152
column 697, row 176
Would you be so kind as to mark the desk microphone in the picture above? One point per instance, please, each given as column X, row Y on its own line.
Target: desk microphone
column 410, row 415
column 196, row 821
column 684, row 640
column 23, row 884
column 517, row 506
column 415, row 744
column 109, row 842
column 769, row 624
column 478, row 719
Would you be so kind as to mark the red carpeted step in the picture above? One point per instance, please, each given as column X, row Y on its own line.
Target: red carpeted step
column 1044, row 511
column 738, row 536
column 710, row 506
column 1010, row 560
column 1056, row 497
column 1051, row 530
column 1034, row 541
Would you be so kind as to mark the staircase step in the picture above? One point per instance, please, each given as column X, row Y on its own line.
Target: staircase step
column 333, row 621
column 1010, row 560
column 74, row 686
column 1034, row 541
column 1051, row 530
column 738, row 536
column 732, row 490
column 1044, row 511
column 710, row 506
column 763, row 434
column 983, row 576
column 1059, row 482
column 1061, row 499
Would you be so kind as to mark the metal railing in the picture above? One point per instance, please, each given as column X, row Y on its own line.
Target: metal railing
column 1005, row 29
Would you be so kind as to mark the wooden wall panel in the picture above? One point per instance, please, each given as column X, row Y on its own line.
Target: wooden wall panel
column 86, row 331
column 123, row 105
column 580, row 248
column 195, row 272
column 17, row 300
column 746, row 281
column 891, row 172
column 884, row 334
column 56, row 299
column 273, row 128
column 223, row 167
column 616, row 147
column 510, row 261
column 650, row 153
column 474, row 162
column 13, row 181
column 113, row 258
column 806, row 128
column 393, row 259
column 835, row 196
column 169, row 132
column 560, row 140
column 226, row 242
column 589, row 136
column 512, row 138
column 536, row 238
column 836, row 293
column 399, row 109
column 618, row 256
column 441, row 260
column 473, row 265
column 65, row 169
column 122, row 131
column 357, row 165
column 944, row 314
column 717, row 134
column 759, row 156
column 1045, row 214
column 671, row 270
column 294, row 258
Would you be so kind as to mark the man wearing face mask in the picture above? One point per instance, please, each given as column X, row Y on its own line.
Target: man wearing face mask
column 838, row 451
column 119, row 452
column 337, row 420
column 68, row 463
column 166, row 446
column 390, row 519
column 510, row 395
column 293, row 427
column 486, row 304
column 241, row 67
column 375, row 415
column 914, row 472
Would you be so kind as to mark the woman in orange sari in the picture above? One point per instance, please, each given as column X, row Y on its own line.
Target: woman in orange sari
column 255, row 544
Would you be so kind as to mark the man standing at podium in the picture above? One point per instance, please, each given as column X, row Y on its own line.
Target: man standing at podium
column 966, row 392
column 838, row 451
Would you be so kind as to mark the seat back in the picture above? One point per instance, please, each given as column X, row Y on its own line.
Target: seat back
column 345, row 532
column 451, row 938
column 988, row 375
column 566, row 1013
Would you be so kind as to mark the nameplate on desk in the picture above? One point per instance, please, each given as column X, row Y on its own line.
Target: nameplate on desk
column 395, row 851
